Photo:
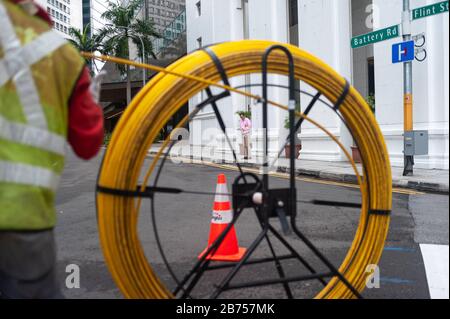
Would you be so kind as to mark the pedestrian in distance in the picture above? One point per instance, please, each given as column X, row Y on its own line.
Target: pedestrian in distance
column 47, row 99
column 245, row 127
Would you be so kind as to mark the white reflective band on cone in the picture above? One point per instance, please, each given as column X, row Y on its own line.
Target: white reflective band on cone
column 28, row 175
column 221, row 193
column 222, row 217
column 32, row 136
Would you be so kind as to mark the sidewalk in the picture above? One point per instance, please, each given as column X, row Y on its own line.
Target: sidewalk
column 423, row 179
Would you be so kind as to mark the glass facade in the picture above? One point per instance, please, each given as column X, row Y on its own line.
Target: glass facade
column 87, row 15
column 59, row 10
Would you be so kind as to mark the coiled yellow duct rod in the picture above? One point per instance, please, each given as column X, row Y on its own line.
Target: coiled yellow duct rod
column 162, row 97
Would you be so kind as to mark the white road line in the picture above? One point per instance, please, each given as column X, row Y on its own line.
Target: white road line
column 435, row 258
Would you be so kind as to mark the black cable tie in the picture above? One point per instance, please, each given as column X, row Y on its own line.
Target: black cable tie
column 148, row 191
column 216, row 111
column 212, row 99
column 218, row 64
column 343, row 96
column 379, row 212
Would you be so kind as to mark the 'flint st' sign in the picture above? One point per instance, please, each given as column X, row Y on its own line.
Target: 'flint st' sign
column 377, row 36
column 430, row 10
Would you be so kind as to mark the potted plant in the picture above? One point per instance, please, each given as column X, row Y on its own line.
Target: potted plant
column 298, row 142
column 247, row 114
column 356, row 155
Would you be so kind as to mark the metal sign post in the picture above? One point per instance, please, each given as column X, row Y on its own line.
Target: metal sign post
column 415, row 142
column 407, row 89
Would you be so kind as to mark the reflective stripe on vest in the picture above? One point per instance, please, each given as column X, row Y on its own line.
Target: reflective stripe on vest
column 16, row 66
column 32, row 136
column 28, row 175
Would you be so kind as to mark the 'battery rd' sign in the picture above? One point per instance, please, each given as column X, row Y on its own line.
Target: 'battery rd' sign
column 376, row 36
column 430, row 10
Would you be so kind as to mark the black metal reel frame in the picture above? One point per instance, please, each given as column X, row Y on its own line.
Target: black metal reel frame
column 276, row 202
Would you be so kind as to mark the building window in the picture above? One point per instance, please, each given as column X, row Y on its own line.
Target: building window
column 293, row 13
column 371, row 76
column 293, row 22
column 199, row 42
column 199, row 8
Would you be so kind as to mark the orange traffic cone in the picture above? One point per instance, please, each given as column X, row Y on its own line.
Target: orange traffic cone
column 222, row 216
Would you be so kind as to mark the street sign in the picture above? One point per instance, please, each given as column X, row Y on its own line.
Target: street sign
column 430, row 10
column 403, row 52
column 376, row 36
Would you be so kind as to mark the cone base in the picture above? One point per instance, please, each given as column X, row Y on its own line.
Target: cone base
column 217, row 257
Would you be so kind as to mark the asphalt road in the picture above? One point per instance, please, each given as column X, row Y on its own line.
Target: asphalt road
column 184, row 220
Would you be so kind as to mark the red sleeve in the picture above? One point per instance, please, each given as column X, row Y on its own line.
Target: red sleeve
column 44, row 15
column 41, row 12
column 85, row 120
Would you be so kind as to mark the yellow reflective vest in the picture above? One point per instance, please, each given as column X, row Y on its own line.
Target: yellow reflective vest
column 38, row 71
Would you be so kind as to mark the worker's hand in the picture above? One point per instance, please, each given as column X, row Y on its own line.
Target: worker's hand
column 96, row 84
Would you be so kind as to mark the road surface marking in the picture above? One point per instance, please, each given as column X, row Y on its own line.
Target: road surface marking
column 435, row 258
column 400, row 249
column 398, row 281
column 286, row 176
column 308, row 180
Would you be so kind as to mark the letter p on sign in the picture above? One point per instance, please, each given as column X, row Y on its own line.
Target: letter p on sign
column 403, row 52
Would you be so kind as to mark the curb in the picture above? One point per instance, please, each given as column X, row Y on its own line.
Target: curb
column 344, row 177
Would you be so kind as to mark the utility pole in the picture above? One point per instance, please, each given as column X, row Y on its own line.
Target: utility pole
column 408, row 88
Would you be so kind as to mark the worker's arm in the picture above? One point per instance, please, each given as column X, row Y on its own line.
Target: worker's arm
column 85, row 133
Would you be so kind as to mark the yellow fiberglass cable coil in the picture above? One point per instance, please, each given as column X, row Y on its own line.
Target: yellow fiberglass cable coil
column 166, row 93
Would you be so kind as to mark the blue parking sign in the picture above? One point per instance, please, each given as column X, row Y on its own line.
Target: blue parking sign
column 403, row 52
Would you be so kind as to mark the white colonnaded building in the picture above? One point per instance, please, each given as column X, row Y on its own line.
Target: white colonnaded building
column 325, row 28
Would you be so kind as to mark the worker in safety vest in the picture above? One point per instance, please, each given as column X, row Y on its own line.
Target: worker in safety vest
column 45, row 100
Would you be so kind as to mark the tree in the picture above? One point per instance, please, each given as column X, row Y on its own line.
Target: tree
column 83, row 41
column 123, row 28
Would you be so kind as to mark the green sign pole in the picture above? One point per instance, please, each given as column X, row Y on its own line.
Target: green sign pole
column 430, row 10
column 376, row 36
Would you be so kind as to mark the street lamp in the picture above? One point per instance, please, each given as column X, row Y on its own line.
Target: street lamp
column 144, row 73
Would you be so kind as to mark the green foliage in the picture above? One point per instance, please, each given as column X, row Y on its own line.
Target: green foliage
column 286, row 122
column 371, row 102
column 84, row 42
column 247, row 114
column 124, row 26
column 107, row 139
column 286, row 119
column 160, row 136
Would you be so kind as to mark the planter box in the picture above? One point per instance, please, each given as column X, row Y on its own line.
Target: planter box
column 287, row 150
column 356, row 155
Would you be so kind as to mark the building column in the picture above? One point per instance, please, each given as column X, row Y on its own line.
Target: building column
column 268, row 21
column 437, row 87
column 325, row 31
